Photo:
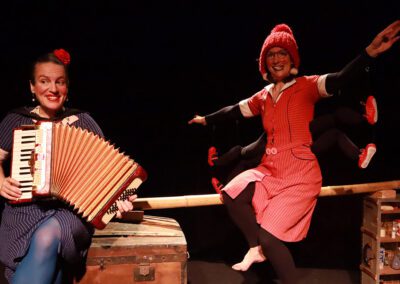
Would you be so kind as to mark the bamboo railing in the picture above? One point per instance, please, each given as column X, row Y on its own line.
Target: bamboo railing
column 214, row 199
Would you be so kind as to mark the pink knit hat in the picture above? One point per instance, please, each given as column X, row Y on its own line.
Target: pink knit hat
column 280, row 36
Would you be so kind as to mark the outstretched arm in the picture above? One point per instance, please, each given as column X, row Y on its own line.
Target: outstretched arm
column 226, row 113
column 382, row 42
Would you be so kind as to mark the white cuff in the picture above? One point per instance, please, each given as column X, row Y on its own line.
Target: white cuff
column 245, row 109
column 321, row 82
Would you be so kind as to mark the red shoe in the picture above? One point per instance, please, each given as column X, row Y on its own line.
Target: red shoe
column 371, row 110
column 366, row 155
column 217, row 185
column 212, row 155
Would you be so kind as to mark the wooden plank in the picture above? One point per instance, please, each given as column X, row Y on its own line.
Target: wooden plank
column 359, row 188
column 214, row 199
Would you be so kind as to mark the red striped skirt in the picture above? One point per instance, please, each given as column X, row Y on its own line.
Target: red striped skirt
column 287, row 185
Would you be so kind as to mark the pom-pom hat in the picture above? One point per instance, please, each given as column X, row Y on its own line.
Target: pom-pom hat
column 281, row 36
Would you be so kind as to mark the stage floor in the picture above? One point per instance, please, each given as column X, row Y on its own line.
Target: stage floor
column 203, row 272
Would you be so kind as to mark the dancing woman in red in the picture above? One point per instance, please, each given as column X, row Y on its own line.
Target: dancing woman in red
column 273, row 203
column 326, row 133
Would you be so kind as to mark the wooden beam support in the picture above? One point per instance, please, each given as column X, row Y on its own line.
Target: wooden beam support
column 359, row 188
column 214, row 199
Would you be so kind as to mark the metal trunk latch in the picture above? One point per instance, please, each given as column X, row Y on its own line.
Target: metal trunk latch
column 143, row 272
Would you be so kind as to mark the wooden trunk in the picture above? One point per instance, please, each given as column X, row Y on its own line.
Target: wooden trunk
column 151, row 252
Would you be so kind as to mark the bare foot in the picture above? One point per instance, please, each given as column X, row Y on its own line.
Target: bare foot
column 254, row 255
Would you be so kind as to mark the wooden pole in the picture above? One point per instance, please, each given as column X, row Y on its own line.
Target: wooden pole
column 214, row 199
column 176, row 201
column 359, row 188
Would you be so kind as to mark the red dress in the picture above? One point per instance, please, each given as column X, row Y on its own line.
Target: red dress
column 288, row 179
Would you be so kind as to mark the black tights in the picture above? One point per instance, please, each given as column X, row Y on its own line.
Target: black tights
column 280, row 257
column 241, row 211
column 335, row 136
column 240, row 158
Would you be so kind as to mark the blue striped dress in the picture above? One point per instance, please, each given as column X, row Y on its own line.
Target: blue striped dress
column 19, row 222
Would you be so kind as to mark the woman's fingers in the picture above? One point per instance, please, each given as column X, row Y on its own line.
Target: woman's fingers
column 124, row 206
column 10, row 189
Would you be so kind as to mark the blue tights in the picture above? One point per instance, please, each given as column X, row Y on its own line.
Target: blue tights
column 39, row 266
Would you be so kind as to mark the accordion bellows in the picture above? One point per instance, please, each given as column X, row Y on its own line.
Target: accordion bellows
column 75, row 166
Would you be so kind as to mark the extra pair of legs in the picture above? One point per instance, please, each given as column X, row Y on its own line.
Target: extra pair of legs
column 238, row 158
column 326, row 133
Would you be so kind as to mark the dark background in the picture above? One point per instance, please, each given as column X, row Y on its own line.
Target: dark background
column 144, row 68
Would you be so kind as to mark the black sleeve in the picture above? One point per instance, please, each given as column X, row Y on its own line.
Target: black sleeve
column 226, row 113
column 359, row 65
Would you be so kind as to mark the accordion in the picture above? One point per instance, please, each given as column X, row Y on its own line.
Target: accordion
column 75, row 166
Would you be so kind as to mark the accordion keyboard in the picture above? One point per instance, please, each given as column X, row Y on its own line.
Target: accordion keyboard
column 24, row 145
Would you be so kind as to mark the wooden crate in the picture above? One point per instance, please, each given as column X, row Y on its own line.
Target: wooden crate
column 151, row 252
column 374, row 245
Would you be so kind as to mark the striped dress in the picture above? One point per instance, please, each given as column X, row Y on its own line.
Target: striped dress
column 19, row 222
column 288, row 179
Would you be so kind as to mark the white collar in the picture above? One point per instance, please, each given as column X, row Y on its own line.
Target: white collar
column 287, row 85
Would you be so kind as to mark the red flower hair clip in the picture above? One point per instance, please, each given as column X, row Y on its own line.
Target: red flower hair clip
column 63, row 56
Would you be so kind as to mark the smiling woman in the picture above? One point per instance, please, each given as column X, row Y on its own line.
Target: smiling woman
column 38, row 238
column 49, row 85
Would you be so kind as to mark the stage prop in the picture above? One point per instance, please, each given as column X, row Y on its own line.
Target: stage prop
column 148, row 249
column 380, row 229
column 152, row 251
column 377, row 189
